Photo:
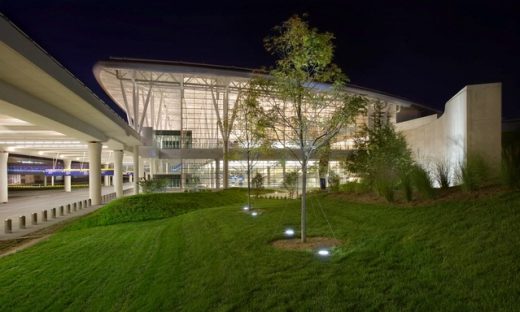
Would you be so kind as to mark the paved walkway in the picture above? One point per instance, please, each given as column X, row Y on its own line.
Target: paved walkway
column 24, row 203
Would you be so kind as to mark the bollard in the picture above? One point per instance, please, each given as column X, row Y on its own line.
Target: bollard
column 85, row 203
column 68, row 208
column 8, row 226
column 21, row 222
column 76, row 206
column 61, row 211
column 34, row 218
column 44, row 216
column 53, row 213
column 90, row 202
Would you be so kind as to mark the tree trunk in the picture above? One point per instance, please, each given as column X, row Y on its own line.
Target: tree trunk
column 248, row 179
column 225, row 160
column 304, row 202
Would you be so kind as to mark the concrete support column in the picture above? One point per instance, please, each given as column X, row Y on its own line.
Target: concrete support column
column 52, row 180
column 106, row 178
column 217, row 174
column 3, row 177
column 118, row 173
column 153, row 167
column 212, row 176
column 44, row 180
column 136, row 169
column 67, row 179
column 94, row 172
column 142, row 173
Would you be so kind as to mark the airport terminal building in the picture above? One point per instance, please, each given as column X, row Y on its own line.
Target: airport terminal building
column 179, row 109
column 180, row 122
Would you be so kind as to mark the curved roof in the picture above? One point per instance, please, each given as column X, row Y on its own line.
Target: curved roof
column 233, row 72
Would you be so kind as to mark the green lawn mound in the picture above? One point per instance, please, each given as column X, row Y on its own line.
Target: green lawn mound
column 157, row 206
column 460, row 255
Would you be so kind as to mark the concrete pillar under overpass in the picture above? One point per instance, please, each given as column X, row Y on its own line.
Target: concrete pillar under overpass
column 142, row 173
column 136, row 169
column 94, row 176
column 67, row 179
column 3, row 177
column 153, row 167
column 106, row 178
column 118, row 173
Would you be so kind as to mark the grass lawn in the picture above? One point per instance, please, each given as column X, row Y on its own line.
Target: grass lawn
column 451, row 256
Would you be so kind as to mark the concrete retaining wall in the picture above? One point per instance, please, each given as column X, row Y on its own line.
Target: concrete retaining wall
column 470, row 125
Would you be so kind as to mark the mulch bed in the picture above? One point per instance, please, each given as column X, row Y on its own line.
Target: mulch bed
column 312, row 243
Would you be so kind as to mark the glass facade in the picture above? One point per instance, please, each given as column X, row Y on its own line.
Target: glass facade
column 196, row 109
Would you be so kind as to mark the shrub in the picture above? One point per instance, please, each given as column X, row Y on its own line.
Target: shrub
column 334, row 182
column 442, row 174
column 385, row 188
column 473, row 173
column 407, row 185
column 355, row 187
column 422, row 182
column 511, row 167
column 153, row 185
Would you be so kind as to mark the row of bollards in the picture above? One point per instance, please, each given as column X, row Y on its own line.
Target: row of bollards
column 107, row 197
column 8, row 223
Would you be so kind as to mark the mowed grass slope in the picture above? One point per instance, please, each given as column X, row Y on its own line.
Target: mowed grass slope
column 459, row 256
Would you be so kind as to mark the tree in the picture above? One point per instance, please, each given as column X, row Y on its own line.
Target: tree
column 305, row 91
column 258, row 184
column 382, row 157
column 290, row 182
column 250, row 130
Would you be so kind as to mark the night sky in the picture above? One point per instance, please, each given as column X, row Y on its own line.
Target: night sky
column 421, row 50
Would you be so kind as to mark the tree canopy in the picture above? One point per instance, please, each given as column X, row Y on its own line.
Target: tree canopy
column 305, row 91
